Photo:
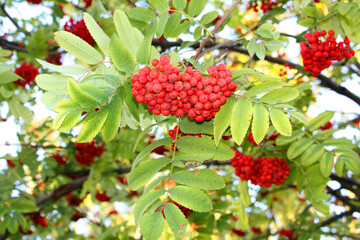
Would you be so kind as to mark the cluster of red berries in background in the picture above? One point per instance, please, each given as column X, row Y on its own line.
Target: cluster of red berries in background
column 326, row 126
column 76, row 216
column 61, row 160
column 166, row 91
column 28, row 72
column 34, row 1
column 319, row 52
column 102, row 197
column 39, row 219
column 87, row 3
column 79, row 29
column 54, row 58
column 250, row 138
column 265, row 5
column 159, row 150
column 263, row 171
column 10, row 163
column 73, row 201
column 86, row 152
column 186, row 211
column 287, row 233
column 238, row 232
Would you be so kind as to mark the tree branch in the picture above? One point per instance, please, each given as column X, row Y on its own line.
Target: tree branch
column 2, row 6
column 5, row 44
column 336, row 217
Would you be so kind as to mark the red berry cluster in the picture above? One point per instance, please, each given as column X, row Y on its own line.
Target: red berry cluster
column 61, row 160
column 102, row 197
column 10, row 163
column 122, row 180
column 273, row 137
column 167, row 91
column 255, row 230
column 87, row 3
column 263, row 171
column 86, row 152
column 34, row 1
column 238, row 232
column 73, row 201
column 79, row 29
column 265, row 5
column 39, row 219
column 287, row 233
column 28, row 73
column 318, row 52
column 327, row 125
column 54, row 58
column 76, row 216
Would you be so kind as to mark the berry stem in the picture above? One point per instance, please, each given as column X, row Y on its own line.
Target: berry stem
column 218, row 25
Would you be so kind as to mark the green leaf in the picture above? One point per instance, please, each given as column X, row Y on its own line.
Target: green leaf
column 280, row 122
column 240, row 119
column 344, row 8
column 78, row 47
column 222, row 120
column 3, row 210
column 191, row 198
column 52, row 82
column 280, row 95
column 98, row 94
column 204, row 145
column 209, row 17
column 326, row 164
column 12, row 226
column 161, row 24
column 320, row 120
column 79, row 96
column 144, row 202
column 282, row 140
column 121, row 57
column 22, row 205
column 142, row 174
column 70, row 121
column 5, row 92
column 260, row 51
column 172, row 24
column 264, row 87
column 273, row 45
column 174, row 57
column 202, row 178
column 353, row 164
column 8, row 77
column 143, row 53
column 149, row 148
column 180, row 4
column 193, row 157
column 152, row 225
column 125, row 32
column 244, row 193
column 160, row 5
column 196, row 7
column 252, row 47
column 193, row 127
column 6, row 67
column 154, row 183
column 75, row 69
column 175, row 218
column 91, row 128
column 339, row 167
column 260, row 122
column 19, row 110
column 312, row 154
column 184, row 26
column 298, row 147
column 141, row 14
column 97, row 33
column 299, row 116
column 112, row 123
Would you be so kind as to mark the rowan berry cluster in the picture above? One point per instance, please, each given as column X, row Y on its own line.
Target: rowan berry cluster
column 287, row 233
column 34, row 1
column 250, row 138
column 166, row 91
column 326, row 126
column 102, row 197
column 54, row 58
column 79, row 29
column 76, row 216
column 318, row 52
column 238, row 232
column 87, row 3
column 263, row 171
column 73, row 201
column 86, row 152
column 39, row 219
column 265, row 5
column 255, row 230
column 28, row 73
column 10, row 163
column 61, row 160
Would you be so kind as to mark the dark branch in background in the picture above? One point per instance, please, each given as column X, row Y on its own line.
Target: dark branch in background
column 5, row 44
column 79, row 8
column 324, row 81
column 2, row 6
column 218, row 25
column 336, row 217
